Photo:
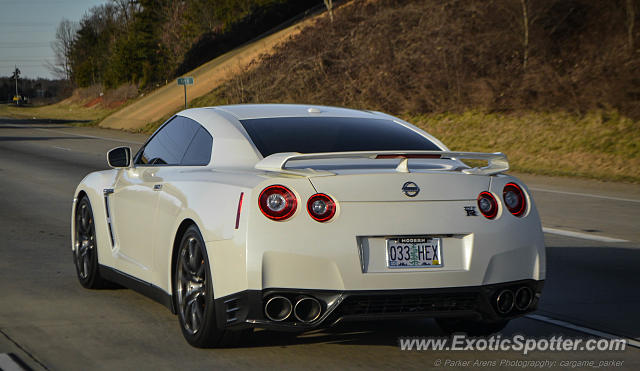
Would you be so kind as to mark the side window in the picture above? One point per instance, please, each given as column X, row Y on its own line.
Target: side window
column 168, row 146
column 199, row 152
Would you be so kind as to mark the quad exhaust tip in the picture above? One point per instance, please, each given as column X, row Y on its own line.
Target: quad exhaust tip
column 278, row 308
column 508, row 300
column 307, row 309
column 523, row 298
column 505, row 301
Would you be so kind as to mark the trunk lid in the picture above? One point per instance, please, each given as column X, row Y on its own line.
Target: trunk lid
column 394, row 186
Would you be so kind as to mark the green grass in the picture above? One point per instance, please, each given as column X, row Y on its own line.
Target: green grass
column 601, row 145
column 63, row 111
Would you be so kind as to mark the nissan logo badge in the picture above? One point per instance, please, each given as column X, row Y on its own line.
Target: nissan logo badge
column 410, row 189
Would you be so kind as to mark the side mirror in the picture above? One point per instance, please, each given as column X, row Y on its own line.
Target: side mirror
column 119, row 157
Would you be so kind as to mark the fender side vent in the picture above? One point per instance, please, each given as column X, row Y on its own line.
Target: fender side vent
column 106, row 208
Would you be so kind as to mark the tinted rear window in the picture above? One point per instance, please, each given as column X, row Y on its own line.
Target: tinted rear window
column 332, row 134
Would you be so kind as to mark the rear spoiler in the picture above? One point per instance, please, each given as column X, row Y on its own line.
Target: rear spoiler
column 496, row 162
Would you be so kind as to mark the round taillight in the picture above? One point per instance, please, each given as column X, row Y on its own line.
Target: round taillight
column 321, row 207
column 488, row 205
column 514, row 199
column 277, row 202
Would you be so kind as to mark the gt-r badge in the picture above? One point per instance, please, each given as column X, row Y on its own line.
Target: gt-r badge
column 410, row 189
column 471, row 210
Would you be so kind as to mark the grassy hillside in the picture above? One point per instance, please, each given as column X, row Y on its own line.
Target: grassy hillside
column 600, row 145
column 559, row 96
column 90, row 104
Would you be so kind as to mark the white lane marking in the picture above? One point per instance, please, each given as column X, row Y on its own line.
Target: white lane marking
column 62, row 148
column 90, row 136
column 8, row 364
column 584, row 236
column 584, row 194
column 586, row 330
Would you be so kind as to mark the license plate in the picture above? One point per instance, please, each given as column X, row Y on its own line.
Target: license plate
column 413, row 252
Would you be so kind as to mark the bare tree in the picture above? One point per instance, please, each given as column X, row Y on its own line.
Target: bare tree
column 525, row 41
column 172, row 33
column 630, row 23
column 329, row 5
column 126, row 9
column 65, row 34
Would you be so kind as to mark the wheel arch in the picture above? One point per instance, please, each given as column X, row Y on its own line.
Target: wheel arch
column 92, row 187
column 82, row 193
column 79, row 196
column 182, row 228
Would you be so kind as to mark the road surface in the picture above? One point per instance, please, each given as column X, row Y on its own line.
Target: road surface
column 48, row 321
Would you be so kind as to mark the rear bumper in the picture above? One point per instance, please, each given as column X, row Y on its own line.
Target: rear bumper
column 246, row 308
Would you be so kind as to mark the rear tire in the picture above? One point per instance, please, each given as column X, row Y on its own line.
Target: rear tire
column 85, row 247
column 194, row 300
column 470, row 327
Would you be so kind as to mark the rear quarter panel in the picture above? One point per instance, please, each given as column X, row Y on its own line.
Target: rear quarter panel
column 209, row 198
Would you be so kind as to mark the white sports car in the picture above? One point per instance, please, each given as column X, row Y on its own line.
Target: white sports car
column 294, row 217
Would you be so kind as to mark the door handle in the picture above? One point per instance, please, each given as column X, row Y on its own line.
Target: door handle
column 157, row 187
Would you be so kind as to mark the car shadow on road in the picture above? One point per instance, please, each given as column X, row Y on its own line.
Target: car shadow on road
column 29, row 139
column 42, row 121
column 351, row 333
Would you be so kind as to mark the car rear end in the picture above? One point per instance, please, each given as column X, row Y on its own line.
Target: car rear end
column 383, row 234
column 372, row 251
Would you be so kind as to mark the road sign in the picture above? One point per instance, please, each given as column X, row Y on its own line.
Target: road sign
column 185, row 80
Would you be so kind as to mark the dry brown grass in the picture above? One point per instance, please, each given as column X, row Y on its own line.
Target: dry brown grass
column 600, row 145
column 64, row 110
column 85, row 104
column 432, row 56
column 457, row 69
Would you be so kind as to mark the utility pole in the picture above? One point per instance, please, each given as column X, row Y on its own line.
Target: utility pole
column 16, row 74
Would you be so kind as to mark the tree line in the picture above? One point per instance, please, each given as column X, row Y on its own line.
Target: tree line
column 146, row 42
column 39, row 88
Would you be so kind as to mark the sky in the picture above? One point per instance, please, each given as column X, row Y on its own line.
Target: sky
column 27, row 28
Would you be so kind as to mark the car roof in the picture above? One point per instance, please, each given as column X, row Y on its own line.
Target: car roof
column 257, row 111
column 230, row 136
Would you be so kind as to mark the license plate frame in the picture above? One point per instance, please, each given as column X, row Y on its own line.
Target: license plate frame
column 409, row 246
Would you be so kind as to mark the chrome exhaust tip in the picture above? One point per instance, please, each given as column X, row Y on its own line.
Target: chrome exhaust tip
column 524, row 297
column 505, row 301
column 307, row 309
column 278, row 308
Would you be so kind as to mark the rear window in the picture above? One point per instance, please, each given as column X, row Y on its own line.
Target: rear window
column 332, row 134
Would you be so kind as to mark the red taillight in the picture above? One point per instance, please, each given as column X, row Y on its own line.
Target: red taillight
column 514, row 199
column 277, row 202
column 239, row 210
column 321, row 207
column 488, row 205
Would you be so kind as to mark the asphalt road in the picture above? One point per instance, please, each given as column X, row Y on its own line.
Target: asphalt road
column 48, row 321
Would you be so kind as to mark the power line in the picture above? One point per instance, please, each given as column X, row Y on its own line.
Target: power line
column 25, row 47
column 27, row 24
column 26, row 44
column 26, row 59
